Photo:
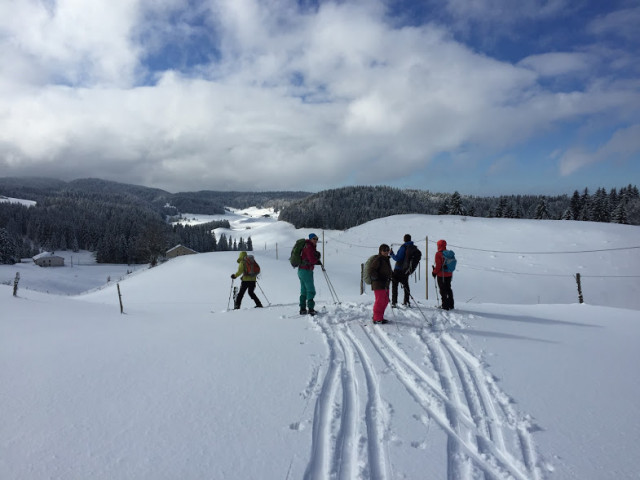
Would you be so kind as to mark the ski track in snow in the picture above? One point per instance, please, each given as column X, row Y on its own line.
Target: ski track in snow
column 352, row 422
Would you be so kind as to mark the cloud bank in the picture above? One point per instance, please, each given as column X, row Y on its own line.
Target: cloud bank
column 238, row 94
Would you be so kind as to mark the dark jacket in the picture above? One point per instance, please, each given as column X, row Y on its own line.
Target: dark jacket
column 310, row 256
column 437, row 269
column 380, row 273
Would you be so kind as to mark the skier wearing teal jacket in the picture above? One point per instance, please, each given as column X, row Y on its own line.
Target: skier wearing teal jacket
column 310, row 258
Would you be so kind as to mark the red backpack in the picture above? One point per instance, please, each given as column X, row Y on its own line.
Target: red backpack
column 251, row 267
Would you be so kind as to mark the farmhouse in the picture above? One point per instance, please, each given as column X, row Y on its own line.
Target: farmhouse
column 48, row 259
column 178, row 251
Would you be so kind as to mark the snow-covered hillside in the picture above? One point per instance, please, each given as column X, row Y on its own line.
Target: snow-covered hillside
column 520, row 381
column 28, row 203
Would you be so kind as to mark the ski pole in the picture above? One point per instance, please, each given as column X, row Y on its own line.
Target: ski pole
column 230, row 293
column 435, row 287
column 395, row 317
column 420, row 310
column 332, row 291
column 263, row 293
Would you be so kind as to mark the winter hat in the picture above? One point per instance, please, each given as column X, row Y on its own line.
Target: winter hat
column 312, row 236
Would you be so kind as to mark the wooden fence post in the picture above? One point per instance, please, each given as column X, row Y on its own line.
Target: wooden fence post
column 362, row 279
column 580, row 299
column 120, row 299
column 426, row 267
column 15, row 284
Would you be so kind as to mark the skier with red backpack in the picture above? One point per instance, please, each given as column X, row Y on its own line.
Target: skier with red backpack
column 248, row 271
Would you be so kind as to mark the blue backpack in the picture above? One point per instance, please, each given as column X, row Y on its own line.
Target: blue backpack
column 450, row 261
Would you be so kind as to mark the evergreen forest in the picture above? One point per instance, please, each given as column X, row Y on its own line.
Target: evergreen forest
column 120, row 223
column 130, row 224
column 350, row 206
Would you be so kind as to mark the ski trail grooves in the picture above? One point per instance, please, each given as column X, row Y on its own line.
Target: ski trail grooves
column 346, row 448
column 481, row 395
column 318, row 466
column 373, row 414
column 486, row 437
column 489, row 395
column 340, row 427
column 475, row 438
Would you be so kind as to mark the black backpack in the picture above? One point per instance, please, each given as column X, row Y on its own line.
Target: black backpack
column 412, row 257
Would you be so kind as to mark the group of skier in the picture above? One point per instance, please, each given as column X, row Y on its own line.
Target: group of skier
column 383, row 278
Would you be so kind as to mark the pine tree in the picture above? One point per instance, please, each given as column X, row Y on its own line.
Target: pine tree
column 8, row 250
column 619, row 214
column 585, row 206
column 542, row 212
column 455, row 205
column 444, row 207
column 575, row 206
column 501, row 208
column 223, row 244
column 600, row 206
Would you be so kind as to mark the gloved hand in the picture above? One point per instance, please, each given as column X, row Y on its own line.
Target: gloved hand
column 233, row 276
column 319, row 263
column 433, row 274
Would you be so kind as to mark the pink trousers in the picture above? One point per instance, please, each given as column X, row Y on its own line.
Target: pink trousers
column 380, row 305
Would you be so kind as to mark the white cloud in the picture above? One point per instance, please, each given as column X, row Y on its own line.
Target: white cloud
column 623, row 23
column 294, row 99
column 623, row 144
column 505, row 11
column 558, row 63
column 71, row 42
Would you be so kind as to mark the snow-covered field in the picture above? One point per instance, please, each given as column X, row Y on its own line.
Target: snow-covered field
column 80, row 274
column 520, row 381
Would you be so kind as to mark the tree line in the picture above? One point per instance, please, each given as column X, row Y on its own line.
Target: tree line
column 116, row 232
column 120, row 223
column 132, row 224
column 347, row 207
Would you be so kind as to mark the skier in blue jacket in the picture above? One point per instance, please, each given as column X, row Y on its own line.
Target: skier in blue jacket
column 398, row 274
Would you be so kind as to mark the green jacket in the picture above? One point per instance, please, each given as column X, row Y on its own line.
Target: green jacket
column 240, row 273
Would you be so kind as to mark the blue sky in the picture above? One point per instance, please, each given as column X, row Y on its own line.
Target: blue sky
column 476, row 96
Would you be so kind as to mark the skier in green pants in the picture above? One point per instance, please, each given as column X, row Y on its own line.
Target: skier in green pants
column 310, row 258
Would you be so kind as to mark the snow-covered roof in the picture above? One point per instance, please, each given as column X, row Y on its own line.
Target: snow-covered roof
column 45, row 255
column 178, row 246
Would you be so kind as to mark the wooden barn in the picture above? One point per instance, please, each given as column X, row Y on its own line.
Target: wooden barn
column 178, row 251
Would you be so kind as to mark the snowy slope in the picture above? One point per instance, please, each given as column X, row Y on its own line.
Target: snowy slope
column 520, row 381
